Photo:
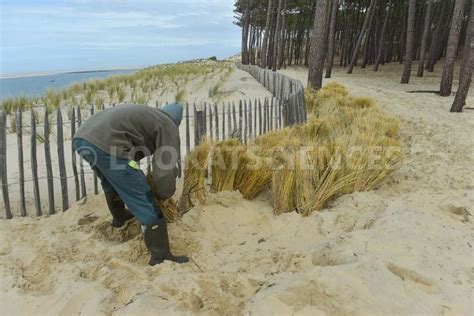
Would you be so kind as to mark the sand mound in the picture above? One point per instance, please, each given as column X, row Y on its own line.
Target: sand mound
column 361, row 257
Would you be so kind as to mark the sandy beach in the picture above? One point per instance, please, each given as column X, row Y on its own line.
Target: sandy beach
column 237, row 86
column 404, row 248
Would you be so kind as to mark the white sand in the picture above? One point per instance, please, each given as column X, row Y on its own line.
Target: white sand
column 404, row 248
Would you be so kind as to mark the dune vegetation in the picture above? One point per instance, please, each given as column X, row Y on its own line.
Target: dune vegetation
column 138, row 87
column 347, row 145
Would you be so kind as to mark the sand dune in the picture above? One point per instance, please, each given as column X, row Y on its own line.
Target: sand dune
column 404, row 248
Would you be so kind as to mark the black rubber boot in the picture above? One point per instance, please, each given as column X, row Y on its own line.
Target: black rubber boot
column 157, row 242
column 117, row 208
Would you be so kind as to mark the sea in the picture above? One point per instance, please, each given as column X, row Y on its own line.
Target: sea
column 36, row 85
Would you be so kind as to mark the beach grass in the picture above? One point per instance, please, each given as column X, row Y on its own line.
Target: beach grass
column 137, row 87
column 348, row 145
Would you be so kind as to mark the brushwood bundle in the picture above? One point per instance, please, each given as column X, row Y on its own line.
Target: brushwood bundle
column 168, row 207
column 348, row 144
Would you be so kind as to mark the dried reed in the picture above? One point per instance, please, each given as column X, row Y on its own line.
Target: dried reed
column 253, row 175
column 224, row 164
column 347, row 145
column 167, row 207
column 194, row 187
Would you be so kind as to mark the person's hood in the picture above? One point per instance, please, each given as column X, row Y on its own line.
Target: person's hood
column 175, row 110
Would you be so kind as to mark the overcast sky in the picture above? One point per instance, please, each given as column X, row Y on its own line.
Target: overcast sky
column 63, row 35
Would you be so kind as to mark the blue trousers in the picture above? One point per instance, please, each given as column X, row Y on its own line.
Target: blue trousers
column 116, row 174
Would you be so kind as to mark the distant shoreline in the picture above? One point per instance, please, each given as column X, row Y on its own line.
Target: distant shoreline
column 54, row 73
column 36, row 84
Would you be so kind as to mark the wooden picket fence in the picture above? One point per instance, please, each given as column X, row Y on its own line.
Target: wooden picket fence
column 244, row 120
column 289, row 90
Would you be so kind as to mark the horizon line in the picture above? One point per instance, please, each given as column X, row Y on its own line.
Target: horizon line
column 61, row 72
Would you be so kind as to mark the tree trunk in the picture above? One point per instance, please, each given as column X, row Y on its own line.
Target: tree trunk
column 424, row 39
column 281, row 49
column 361, row 35
column 409, row 42
column 367, row 39
column 307, row 46
column 277, row 36
column 290, row 48
column 245, row 34
column 403, row 38
column 467, row 44
column 263, row 59
column 252, row 46
column 318, row 40
column 332, row 37
column 437, row 38
column 452, row 49
column 382, row 38
column 272, row 37
column 466, row 70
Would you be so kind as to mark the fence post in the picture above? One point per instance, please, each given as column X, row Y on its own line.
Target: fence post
column 73, row 155
column 34, row 164
column 255, row 117
column 21, row 169
column 211, row 132
column 303, row 101
column 216, row 116
column 188, row 140
column 245, row 122
column 272, row 82
column 223, row 121
column 200, row 120
column 260, row 117
column 61, row 160
column 291, row 109
column 302, row 106
column 3, row 164
column 279, row 122
column 81, row 162
column 96, row 189
column 296, row 106
column 299, row 112
column 49, row 168
column 250, row 119
column 288, row 110
column 272, row 118
column 277, row 113
column 235, row 129
column 229, row 120
column 196, row 136
column 204, row 123
column 265, row 115
column 241, row 136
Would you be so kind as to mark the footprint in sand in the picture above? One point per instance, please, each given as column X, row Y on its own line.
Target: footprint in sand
column 36, row 276
column 416, row 279
column 457, row 212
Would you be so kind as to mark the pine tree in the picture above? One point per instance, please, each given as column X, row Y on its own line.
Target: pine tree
column 424, row 39
column 409, row 42
column 332, row 40
column 452, row 49
column 467, row 67
column 318, row 45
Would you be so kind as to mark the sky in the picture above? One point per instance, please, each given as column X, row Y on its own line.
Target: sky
column 70, row 35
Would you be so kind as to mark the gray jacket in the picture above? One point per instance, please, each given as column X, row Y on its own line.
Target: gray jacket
column 133, row 132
